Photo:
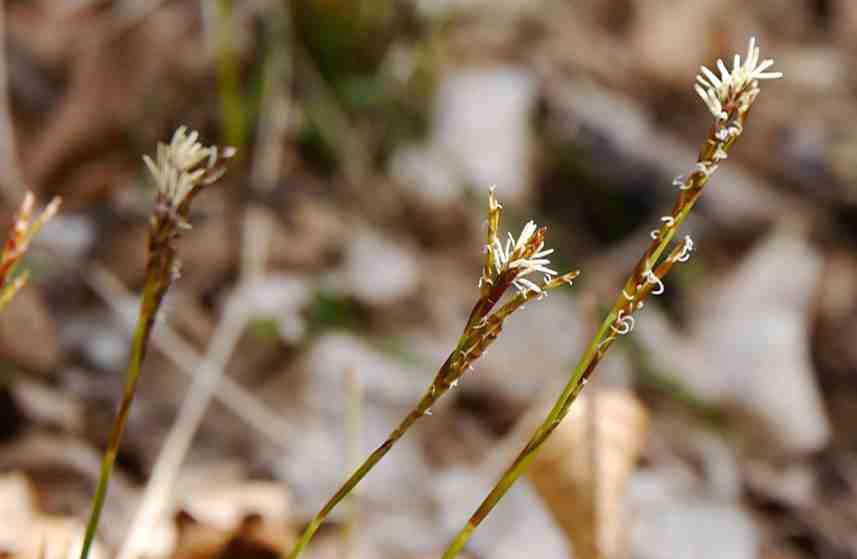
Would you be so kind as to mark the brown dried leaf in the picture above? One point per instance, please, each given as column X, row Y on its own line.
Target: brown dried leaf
column 582, row 470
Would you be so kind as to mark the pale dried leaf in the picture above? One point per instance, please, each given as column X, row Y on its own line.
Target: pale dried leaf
column 56, row 537
column 582, row 470
column 17, row 509
column 226, row 505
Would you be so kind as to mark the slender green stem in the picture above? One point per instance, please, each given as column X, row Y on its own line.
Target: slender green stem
column 557, row 413
column 353, row 421
column 481, row 330
column 584, row 368
column 229, row 76
column 443, row 380
column 427, row 400
column 183, row 162
column 153, row 293
column 601, row 342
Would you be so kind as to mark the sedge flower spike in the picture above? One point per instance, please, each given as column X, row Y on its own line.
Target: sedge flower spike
column 511, row 262
column 728, row 97
column 184, row 165
column 504, row 267
column 518, row 256
column 180, row 170
column 736, row 88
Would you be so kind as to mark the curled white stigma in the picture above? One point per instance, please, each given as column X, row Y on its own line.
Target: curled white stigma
column 653, row 278
column 625, row 324
column 686, row 250
column 506, row 257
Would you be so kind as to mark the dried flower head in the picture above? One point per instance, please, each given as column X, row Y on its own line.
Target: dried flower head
column 24, row 228
column 734, row 89
column 184, row 166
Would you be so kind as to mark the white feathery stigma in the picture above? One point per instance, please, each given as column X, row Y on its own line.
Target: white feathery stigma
column 719, row 92
column 184, row 164
column 511, row 256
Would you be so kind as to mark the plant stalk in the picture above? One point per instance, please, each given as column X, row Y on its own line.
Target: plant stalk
column 481, row 329
column 470, row 346
column 689, row 193
column 183, row 168
column 153, row 293
column 425, row 403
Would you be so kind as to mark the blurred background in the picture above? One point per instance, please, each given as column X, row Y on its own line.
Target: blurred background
column 328, row 275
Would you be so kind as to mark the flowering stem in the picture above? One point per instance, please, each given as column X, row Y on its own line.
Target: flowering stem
column 440, row 386
column 182, row 168
column 645, row 276
column 425, row 403
column 504, row 267
column 560, row 408
column 443, row 381
column 153, row 293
